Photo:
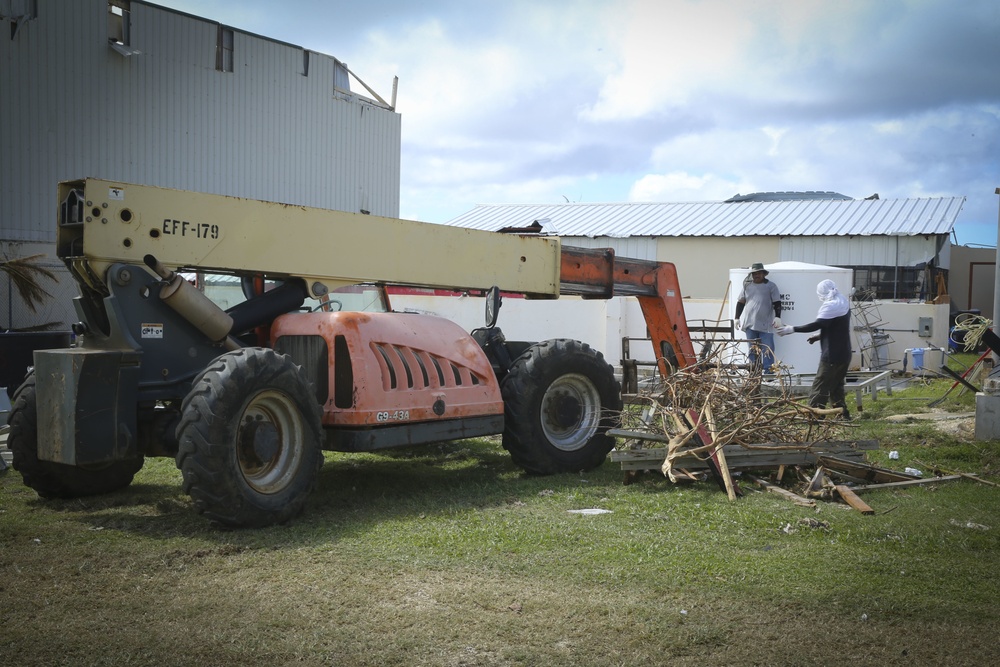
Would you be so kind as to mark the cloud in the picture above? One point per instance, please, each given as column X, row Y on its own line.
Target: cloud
column 668, row 51
column 680, row 186
column 671, row 99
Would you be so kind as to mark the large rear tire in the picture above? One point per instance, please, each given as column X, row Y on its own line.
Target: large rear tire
column 560, row 398
column 250, row 439
column 57, row 480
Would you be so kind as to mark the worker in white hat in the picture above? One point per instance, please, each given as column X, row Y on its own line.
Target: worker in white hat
column 758, row 309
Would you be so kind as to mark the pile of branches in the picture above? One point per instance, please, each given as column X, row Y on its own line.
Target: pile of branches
column 702, row 408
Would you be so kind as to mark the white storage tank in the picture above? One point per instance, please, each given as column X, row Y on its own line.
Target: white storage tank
column 799, row 305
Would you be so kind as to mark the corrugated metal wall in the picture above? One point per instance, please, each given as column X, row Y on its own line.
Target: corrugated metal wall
column 863, row 250
column 71, row 107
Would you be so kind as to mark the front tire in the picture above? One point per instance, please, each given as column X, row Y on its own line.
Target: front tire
column 250, row 439
column 560, row 398
column 57, row 480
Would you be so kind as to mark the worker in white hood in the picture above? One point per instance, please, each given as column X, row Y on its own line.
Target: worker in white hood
column 833, row 322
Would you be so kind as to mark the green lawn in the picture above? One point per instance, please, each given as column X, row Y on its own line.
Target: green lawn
column 448, row 555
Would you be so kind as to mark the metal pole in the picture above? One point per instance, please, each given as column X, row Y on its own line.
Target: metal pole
column 895, row 275
column 996, row 285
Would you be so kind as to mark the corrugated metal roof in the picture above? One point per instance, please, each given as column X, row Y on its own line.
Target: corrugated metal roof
column 814, row 217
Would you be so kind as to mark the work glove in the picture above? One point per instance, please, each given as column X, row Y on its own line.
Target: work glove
column 776, row 324
column 784, row 331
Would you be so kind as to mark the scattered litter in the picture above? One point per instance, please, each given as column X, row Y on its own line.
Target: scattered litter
column 894, row 455
column 591, row 510
column 36, row 541
column 969, row 524
column 546, row 492
column 864, row 617
column 814, row 523
column 684, row 612
column 914, row 471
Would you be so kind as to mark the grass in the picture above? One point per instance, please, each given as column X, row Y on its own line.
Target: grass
column 448, row 555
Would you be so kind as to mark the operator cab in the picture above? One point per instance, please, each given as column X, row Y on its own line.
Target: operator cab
column 498, row 349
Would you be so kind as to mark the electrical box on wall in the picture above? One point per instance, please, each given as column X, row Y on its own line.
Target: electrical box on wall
column 924, row 326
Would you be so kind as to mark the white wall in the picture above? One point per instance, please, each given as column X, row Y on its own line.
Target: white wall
column 602, row 324
column 972, row 279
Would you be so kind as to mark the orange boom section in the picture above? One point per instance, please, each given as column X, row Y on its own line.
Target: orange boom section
column 599, row 274
column 373, row 369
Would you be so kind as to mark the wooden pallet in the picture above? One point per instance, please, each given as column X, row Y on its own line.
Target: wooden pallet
column 761, row 456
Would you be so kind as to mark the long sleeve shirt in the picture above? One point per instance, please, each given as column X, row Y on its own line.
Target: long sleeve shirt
column 834, row 338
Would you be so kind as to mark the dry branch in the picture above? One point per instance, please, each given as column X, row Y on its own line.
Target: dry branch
column 725, row 404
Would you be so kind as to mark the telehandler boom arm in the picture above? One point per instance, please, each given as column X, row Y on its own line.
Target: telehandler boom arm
column 103, row 223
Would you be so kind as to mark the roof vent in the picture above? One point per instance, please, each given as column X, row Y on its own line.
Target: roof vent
column 785, row 196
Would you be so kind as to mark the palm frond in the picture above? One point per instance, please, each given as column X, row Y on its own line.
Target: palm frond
column 26, row 274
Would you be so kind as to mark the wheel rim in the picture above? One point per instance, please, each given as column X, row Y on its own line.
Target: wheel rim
column 268, row 444
column 571, row 412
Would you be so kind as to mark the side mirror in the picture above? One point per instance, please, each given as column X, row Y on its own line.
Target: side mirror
column 493, row 302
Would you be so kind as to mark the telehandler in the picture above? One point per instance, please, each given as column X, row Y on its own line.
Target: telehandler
column 246, row 399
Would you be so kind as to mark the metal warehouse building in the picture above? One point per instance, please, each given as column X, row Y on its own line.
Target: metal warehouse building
column 896, row 247
column 134, row 92
column 898, row 251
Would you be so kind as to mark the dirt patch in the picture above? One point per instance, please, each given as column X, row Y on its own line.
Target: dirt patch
column 961, row 425
column 963, row 428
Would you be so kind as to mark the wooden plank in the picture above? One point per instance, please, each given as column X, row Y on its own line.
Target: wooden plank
column 840, row 448
column 864, row 471
column 736, row 462
column 720, row 456
column 748, row 463
column 909, row 482
column 784, row 493
column 853, row 500
column 844, row 477
column 637, row 435
column 657, row 456
column 824, row 446
column 967, row 475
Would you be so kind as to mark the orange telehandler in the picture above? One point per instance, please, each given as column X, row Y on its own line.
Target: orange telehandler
column 246, row 399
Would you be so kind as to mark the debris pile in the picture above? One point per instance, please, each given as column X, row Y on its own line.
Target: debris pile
column 710, row 420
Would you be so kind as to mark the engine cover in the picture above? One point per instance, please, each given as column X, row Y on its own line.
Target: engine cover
column 385, row 369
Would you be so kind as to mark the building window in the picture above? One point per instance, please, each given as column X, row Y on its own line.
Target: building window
column 905, row 283
column 118, row 22
column 224, row 50
column 119, row 28
column 18, row 12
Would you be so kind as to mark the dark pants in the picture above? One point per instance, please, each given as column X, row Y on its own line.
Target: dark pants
column 828, row 386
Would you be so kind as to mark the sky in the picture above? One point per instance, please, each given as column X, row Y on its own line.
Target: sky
column 542, row 101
